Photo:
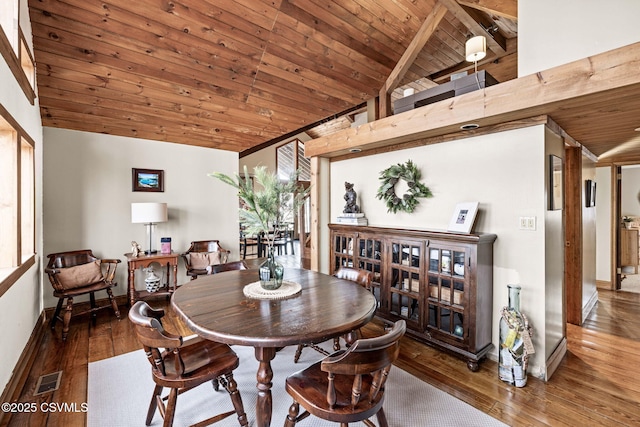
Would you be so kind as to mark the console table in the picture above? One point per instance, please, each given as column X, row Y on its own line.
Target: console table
column 143, row 261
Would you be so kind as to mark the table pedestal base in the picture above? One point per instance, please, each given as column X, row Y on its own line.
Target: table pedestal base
column 264, row 356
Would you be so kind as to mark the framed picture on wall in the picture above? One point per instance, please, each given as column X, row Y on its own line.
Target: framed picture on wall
column 150, row 180
column 463, row 217
column 589, row 193
column 555, row 191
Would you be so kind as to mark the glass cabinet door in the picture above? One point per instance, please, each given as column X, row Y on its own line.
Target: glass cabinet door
column 405, row 280
column 369, row 258
column 343, row 251
column 446, row 287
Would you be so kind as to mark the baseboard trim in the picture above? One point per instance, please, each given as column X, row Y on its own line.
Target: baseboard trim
column 21, row 371
column 556, row 357
column 589, row 306
column 604, row 284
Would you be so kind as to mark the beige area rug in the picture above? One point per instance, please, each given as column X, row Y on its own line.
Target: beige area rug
column 120, row 389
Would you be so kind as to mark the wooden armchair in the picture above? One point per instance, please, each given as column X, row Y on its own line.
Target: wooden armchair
column 202, row 255
column 77, row 273
column 229, row 266
column 348, row 386
column 357, row 275
column 182, row 366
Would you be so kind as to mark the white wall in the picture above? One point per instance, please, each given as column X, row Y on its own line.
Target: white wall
column 551, row 32
column 88, row 196
column 589, row 243
column 505, row 172
column 603, row 224
column 21, row 305
column 553, row 297
column 630, row 194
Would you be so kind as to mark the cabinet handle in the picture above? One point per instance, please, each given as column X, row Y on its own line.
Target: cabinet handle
column 469, row 262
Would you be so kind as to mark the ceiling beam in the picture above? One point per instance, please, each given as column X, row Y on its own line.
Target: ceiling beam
column 505, row 8
column 569, row 89
column 425, row 32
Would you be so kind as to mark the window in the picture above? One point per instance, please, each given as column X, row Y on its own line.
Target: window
column 289, row 157
column 14, row 47
column 17, row 201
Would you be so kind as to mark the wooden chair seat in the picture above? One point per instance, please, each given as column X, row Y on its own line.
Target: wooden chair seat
column 201, row 358
column 182, row 365
column 313, row 382
column 348, row 386
column 58, row 268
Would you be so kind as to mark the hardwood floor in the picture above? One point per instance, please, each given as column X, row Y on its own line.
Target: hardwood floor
column 595, row 384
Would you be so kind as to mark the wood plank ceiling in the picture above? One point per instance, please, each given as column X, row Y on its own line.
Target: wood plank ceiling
column 237, row 74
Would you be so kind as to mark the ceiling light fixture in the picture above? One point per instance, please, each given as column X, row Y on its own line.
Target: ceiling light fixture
column 470, row 126
column 355, row 150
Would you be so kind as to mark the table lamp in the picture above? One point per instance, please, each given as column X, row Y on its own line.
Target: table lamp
column 149, row 214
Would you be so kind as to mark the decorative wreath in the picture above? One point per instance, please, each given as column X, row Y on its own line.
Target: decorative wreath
column 387, row 192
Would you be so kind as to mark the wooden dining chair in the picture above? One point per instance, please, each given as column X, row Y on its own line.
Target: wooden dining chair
column 348, row 386
column 75, row 273
column 357, row 275
column 182, row 365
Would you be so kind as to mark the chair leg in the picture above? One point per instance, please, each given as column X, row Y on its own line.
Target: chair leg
column 232, row 388
column 296, row 357
column 66, row 319
column 114, row 303
column 292, row 416
column 94, row 315
column 382, row 418
column 154, row 404
column 170, row 411
column 54, row 319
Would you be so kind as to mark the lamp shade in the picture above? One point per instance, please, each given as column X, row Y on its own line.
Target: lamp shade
column 147, row 213
column 476, row 48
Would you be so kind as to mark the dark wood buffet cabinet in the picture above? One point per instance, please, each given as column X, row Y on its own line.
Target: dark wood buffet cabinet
column 440, row 283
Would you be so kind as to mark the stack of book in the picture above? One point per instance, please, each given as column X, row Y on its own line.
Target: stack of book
column 352, row 218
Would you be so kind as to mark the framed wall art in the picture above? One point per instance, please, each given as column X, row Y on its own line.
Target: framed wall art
column 589, row 193
column 555, row 191
column 150, row 180
column 463, row 217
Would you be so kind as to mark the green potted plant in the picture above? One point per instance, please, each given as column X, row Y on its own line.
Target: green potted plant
column 265, row 202
column 627, row 220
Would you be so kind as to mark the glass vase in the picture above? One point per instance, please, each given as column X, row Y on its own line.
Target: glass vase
column 271, row 272
column 515, row 341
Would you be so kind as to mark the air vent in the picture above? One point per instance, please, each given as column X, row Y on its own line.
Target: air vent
column 47, row 383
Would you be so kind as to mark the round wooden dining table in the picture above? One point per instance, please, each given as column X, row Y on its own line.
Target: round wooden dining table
column 216, row 308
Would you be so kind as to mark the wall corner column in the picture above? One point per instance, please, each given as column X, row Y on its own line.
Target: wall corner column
column 320, row 211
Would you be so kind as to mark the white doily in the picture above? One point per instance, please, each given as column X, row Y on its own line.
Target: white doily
column 287, row 290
